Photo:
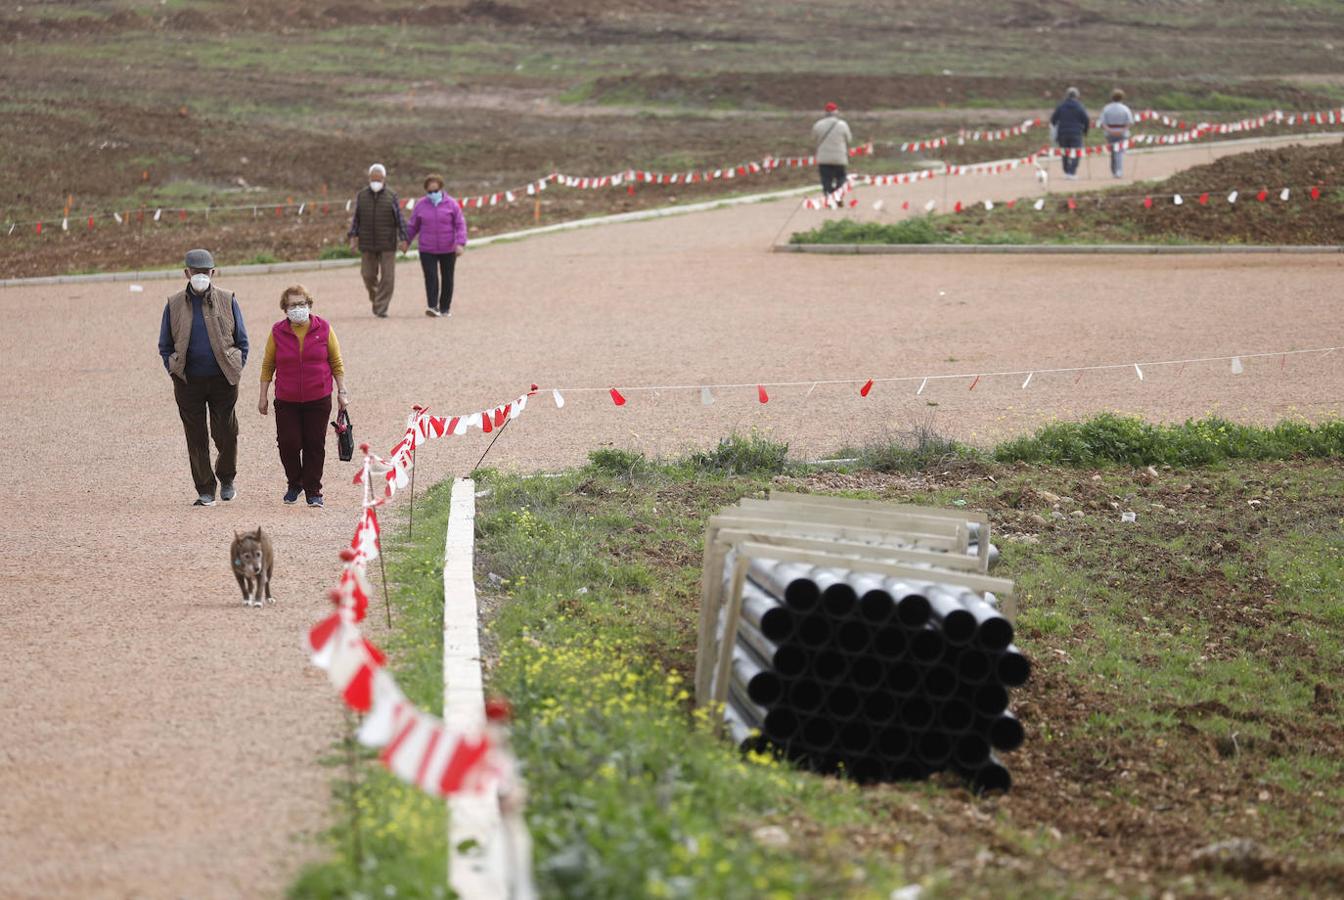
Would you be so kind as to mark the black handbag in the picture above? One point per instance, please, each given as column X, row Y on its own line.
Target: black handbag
column 345, row 436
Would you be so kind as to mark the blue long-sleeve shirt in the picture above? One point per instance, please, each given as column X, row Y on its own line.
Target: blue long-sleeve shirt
column 200, row 356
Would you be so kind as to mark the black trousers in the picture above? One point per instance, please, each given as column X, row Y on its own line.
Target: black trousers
column 438, row 279
column 1071, row 162
column 198, row 397
column 831, row 178
column 301, row 435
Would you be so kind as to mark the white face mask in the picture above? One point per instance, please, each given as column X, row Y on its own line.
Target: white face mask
column 375, row 186
column 200, row 283
column 297, row 314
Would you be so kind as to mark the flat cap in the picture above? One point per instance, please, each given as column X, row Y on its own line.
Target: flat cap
column 200, row 259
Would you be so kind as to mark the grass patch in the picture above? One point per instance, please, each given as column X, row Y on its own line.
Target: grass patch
column 337, row 251
column 1186, row 665
column 1110, row 439
column 262, row 258
column 921, row 230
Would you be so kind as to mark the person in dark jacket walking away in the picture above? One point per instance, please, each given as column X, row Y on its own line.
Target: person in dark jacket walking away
column 442, row 229
column 832, row 136
column 305, row 358
column 1070, row 123
column 375, row 231
column 203, row 343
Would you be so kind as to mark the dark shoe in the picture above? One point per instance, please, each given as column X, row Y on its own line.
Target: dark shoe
column 205, row 500
column 381, row 315
column 315, row 501
column 227, row 491
column 292, row 495
column 447, row 312
column 432, row 313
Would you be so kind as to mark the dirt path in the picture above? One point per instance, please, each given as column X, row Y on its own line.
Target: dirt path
column 161, row 740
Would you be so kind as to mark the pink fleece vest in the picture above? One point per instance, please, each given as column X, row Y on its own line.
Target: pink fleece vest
column 302, row 375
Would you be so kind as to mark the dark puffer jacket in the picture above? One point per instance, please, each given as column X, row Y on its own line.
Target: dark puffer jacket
column 1070, row 118
column 378, row 222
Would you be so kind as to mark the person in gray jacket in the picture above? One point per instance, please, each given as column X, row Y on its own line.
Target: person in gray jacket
column 203, row 343
column 375, row 231
column 1115, row 120
column 832, row 136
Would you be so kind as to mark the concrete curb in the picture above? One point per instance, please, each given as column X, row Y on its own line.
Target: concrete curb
column 1043, row 249
column 476, row 851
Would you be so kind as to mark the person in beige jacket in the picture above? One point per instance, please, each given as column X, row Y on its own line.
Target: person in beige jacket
column 203, row 343
column 832, row 137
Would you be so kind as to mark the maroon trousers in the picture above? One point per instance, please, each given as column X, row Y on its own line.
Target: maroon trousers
column 301, row 434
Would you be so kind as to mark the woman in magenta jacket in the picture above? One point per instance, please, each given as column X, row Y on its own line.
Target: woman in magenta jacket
column 442, row 228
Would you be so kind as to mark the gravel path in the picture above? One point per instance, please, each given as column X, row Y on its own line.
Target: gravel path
column 161, row 740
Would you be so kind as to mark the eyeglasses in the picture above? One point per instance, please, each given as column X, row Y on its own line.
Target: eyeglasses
column 302, row 304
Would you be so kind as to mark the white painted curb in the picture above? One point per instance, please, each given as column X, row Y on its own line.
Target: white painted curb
column 476, row 873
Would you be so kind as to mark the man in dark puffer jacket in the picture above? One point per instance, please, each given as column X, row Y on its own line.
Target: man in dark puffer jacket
column 1070, row 123
column 375, row 231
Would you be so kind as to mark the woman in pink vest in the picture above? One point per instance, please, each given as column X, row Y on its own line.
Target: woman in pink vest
column 304, row 356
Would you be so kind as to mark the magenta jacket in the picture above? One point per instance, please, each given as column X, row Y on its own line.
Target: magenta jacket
column 441, row 228
column 304, row 375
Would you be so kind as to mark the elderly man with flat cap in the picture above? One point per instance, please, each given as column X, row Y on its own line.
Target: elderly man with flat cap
column 204, row 347
column 375, row 231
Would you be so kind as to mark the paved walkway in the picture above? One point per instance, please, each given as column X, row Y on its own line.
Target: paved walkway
column 161, row 739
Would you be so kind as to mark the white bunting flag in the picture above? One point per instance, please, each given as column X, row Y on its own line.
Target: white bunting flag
column 1283, row 195
column 117, row 215
column 65, row 224
column 877, row 205
column 928, row 207
column 559, row 400
column 347, row 206
column 989, row 204
column 1177, row 199
column 706, row 397
column 1237, row 368
column 157, row 213
column 1232, row 197
column 1138, row 371
column 1039, row 204
column 921, row 387
column 1028, row 381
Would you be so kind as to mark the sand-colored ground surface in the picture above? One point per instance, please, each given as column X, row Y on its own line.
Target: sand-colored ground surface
column 161, row 740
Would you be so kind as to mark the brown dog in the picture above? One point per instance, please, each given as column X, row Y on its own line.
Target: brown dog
column 253, row 560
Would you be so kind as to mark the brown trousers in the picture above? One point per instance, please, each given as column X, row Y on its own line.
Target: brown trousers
column 380, row 273
column 197, row 396
column 301, row 434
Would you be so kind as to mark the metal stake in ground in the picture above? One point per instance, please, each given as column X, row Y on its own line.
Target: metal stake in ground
column 387, row 604
column 410, row 522
column 498, row 432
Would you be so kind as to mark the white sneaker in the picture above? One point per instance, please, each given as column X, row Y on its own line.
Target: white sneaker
column 432, row 312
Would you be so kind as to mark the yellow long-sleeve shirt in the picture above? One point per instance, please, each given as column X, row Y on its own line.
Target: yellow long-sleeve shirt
column 333, row 353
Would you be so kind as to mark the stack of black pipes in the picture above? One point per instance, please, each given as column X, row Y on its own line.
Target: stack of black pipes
column 882, row 679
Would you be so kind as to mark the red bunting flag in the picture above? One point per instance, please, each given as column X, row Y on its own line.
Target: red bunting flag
column 182, row 215
column 905, row 204
column 617, row 398
column 39, row 227
column 1262, row 196
column 1011, row 203
column 761, row 395
column 957, row 208
column 1147, row 202
column 1073, row 204
column 867, row 386
column 1315, row 193
column 1204, row 199
column 90, row 223
column 975, row 382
